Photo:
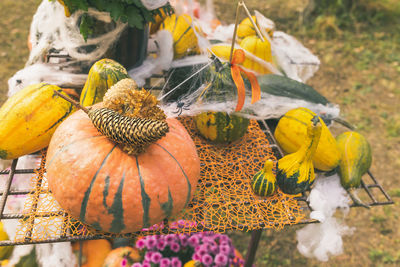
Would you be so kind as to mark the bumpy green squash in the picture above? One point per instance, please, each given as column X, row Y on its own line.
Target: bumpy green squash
column 264, row 181
column 29, row 118
column 220, row 127
column 356, row 158
column 102, row 75
column 291, row 133
column 295, row 172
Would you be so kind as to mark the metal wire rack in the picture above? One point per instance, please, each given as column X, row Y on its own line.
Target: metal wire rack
column 373, row 191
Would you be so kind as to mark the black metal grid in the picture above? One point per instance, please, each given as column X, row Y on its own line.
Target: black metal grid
column 375, row 193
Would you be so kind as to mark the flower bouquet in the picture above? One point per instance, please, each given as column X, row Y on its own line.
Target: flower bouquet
column 176, row 250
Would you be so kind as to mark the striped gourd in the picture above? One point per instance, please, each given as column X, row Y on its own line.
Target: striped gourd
column 97, row 183
column 185, row 39
column 102, row 75
column 264, row 181
column 295, row 172
column 291, row 133
column 221, row 127
column 29, row 118
column 356, row 158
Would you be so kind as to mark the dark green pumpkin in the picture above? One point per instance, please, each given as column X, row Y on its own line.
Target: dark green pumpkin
column 264, row 181
column 220, row 127
column 356, row 158
column 102, row 75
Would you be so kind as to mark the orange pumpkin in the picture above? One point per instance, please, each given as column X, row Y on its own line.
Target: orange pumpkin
column 96, row 182
column 94, row 252
column 116, row 256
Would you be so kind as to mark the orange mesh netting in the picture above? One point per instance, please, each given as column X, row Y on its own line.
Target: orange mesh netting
column 223, row 200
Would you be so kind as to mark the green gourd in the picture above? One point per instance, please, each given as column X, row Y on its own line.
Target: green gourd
column 356, row 158
column 264, row 181
column 221, row 127
column 102, row 75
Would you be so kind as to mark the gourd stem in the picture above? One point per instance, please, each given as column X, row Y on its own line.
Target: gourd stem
column 72, row 101
column 253, row 22
column 240, row 2
column 268, row 165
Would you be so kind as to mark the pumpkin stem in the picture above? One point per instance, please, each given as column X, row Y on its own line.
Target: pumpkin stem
column 86, row 110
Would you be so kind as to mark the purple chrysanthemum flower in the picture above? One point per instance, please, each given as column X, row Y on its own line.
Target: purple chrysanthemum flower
column 225, row 249
column 124, row 262
column 175, row 262
column 170, row 238
column 150, row 242
column 193, row 241
column 147, row 256
column 175, row 247
column 213, row 248
column 208, row 239
column 221, row 259
column 201, row 251
column 206, row 259
column 196, row 256
column 136, row 264
column 165, row 262
column 184, row 239
column 161, row 244
column 223, row 238
column 140, row 244
column 146, row 264
column 156, row 257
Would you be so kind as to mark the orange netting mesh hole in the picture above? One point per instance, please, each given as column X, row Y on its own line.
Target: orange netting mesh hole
column 223, row 200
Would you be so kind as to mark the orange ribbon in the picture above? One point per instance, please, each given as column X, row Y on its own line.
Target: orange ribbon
column 238, row 58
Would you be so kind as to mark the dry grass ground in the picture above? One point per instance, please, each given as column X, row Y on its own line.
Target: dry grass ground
column 359, row 71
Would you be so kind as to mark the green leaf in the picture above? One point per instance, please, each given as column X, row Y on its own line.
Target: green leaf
column 116, row 9
column 135, row 19
column 86, row 26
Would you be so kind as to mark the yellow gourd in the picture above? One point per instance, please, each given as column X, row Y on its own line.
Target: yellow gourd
column 295, row 172
column 262, row 50
column 291, row 133
column 29, row 118
column 5, row 251
column 185, row 39
column 255, row 46
column 246, row 28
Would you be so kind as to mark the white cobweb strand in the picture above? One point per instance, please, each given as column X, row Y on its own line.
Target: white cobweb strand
column 55, row 254
column 324, row 239
column 38, row 73
column 51, row 29
column 154, row 4
column 269, row 107
column 296, row 60
column 162, row 44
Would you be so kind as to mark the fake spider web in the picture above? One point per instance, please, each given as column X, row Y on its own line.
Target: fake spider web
column 200, row 84
column 223, row 200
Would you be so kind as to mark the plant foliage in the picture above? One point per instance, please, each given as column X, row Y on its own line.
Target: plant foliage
column 132, row 12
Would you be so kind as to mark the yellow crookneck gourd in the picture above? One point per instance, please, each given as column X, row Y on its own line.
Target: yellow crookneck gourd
column 295, row 172
column 264, row 181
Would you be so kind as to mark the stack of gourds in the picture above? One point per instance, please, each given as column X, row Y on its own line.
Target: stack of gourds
column 257, row 50
column 309, row 144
